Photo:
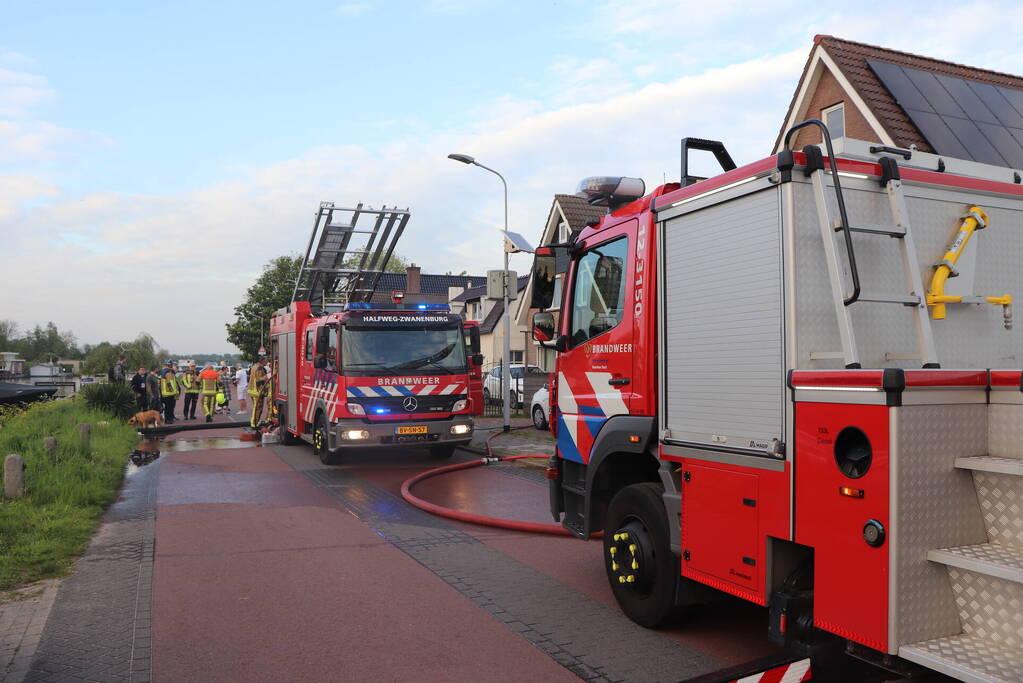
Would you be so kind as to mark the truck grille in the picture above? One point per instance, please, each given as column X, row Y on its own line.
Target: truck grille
column 395, row 404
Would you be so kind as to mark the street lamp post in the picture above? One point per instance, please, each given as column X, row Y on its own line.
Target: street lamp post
column 506, row 353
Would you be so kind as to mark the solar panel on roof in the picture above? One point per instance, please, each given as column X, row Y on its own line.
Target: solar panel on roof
column 935, row 94
column 1003, row 141
column 959, row 117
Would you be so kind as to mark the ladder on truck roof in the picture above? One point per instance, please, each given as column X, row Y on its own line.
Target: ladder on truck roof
column 349, row 256
column 900, row 230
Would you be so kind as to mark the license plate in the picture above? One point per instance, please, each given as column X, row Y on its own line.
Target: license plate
column 418, row 429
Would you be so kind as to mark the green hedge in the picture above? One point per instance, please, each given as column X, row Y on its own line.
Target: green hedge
column 42, row 532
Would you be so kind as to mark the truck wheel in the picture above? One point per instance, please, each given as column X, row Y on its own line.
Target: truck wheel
column 320, row 442
column 539, row 419
column 441, row 452
column 642, row 570
column 287, row 438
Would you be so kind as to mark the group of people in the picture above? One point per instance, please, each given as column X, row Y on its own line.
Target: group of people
column 160, row 389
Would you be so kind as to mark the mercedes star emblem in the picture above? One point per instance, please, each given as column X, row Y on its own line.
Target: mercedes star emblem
column 410, row 403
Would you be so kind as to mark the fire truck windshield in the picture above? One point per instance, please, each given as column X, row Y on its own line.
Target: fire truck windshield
column 372, row 351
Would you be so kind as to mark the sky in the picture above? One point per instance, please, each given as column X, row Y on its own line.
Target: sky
column 154, row 156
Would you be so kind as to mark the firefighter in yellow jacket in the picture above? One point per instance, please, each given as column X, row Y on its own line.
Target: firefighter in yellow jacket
column 259, row 385
column 189, row 381
column 169, row 391
column 209, row 385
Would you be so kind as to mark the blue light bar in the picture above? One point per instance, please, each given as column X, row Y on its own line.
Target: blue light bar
column 366, row 306
column 380, row 410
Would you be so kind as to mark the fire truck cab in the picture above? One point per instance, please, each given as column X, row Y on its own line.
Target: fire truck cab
column 375, row 375
column 768, row 385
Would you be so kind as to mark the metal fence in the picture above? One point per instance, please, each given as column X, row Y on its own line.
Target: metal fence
column 522, row 390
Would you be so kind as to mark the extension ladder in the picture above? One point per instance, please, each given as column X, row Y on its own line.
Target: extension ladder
column 899, row 230
column 343, row 268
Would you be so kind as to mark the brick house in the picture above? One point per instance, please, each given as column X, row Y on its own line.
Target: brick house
column 422, row 287
column 474, row 305
column 903, row 100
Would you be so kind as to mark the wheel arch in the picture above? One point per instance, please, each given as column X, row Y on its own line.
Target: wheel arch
column 616, row 462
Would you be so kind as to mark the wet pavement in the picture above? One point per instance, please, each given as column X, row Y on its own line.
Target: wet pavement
column 227, row 560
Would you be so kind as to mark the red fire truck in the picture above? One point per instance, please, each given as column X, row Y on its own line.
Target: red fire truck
column 352, row 373
column 374, row 375
column 768, row 385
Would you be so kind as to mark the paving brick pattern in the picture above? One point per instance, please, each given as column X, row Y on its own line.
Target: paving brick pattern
column 593, row 640
column 21, row 626
column 526, row 440
column 99, row 628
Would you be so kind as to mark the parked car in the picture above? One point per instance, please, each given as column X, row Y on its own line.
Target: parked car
column 492, row 383
column 541, row 408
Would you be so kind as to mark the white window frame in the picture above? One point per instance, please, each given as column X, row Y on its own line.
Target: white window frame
column 833, row 108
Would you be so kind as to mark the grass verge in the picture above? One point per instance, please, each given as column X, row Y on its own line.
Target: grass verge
column 43, row 532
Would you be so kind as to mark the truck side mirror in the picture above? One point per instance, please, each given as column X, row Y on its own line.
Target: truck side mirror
column 543, row 327
column 322, row 340
column 477, row 359
column 474, row 338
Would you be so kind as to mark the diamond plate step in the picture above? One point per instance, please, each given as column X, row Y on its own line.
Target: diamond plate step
column 991, row 463
column 968, row 658
column 1003, row 562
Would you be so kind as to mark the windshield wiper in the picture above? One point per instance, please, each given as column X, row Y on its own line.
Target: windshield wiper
column 432, row 359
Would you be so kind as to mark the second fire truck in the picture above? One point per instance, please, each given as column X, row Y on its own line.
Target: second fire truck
column 353, row 373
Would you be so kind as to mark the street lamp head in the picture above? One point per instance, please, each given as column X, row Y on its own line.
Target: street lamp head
column 464, row 158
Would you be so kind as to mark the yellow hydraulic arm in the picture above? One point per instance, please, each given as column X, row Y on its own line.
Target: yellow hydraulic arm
column 975, row 219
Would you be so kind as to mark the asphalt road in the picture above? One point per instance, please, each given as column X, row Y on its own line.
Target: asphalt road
column 271, row 566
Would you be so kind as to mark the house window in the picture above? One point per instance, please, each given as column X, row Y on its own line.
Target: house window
column 834, row 119
column 516, row 356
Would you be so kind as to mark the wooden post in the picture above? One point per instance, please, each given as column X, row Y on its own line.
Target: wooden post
column 14, row 476
column 85, row 435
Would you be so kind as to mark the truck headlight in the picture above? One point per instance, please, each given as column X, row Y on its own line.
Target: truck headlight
column 355, row 434
column 356, row 409
column 461, row 429
column 460, row 404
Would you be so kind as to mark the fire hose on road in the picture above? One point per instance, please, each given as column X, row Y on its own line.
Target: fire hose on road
column 472, row 517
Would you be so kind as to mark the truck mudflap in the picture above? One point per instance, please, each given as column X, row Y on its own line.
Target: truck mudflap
column 775, row 669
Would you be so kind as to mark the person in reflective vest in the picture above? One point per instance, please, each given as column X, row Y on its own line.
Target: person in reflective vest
column 169, row 391
column 190, row 383
column 209, row 385
column 258, row 387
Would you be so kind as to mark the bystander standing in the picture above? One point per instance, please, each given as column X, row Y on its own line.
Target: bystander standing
column 138, row 385
column 241, row 380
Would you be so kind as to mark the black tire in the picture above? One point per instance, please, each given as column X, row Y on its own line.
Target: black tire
column 321, row 442
column 287, row 438
column 539, row 419
column 636, row 526
column 441, row 452
column 486, row 397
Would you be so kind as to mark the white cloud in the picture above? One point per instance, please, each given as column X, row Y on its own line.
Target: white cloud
column 176, row 265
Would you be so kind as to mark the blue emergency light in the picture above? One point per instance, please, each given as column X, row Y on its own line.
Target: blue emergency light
column 366, row 306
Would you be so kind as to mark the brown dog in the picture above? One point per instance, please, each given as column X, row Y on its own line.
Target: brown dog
column 148, row 418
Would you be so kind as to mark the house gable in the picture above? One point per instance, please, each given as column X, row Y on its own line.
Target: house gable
column 848, row 64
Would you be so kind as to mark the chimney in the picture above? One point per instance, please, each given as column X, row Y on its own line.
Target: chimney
column 413, row 283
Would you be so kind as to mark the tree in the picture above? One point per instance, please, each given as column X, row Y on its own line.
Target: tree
column 8, row 335
column 139, row 353
column 271, row 292
column 395, row 264
column 43, row 344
